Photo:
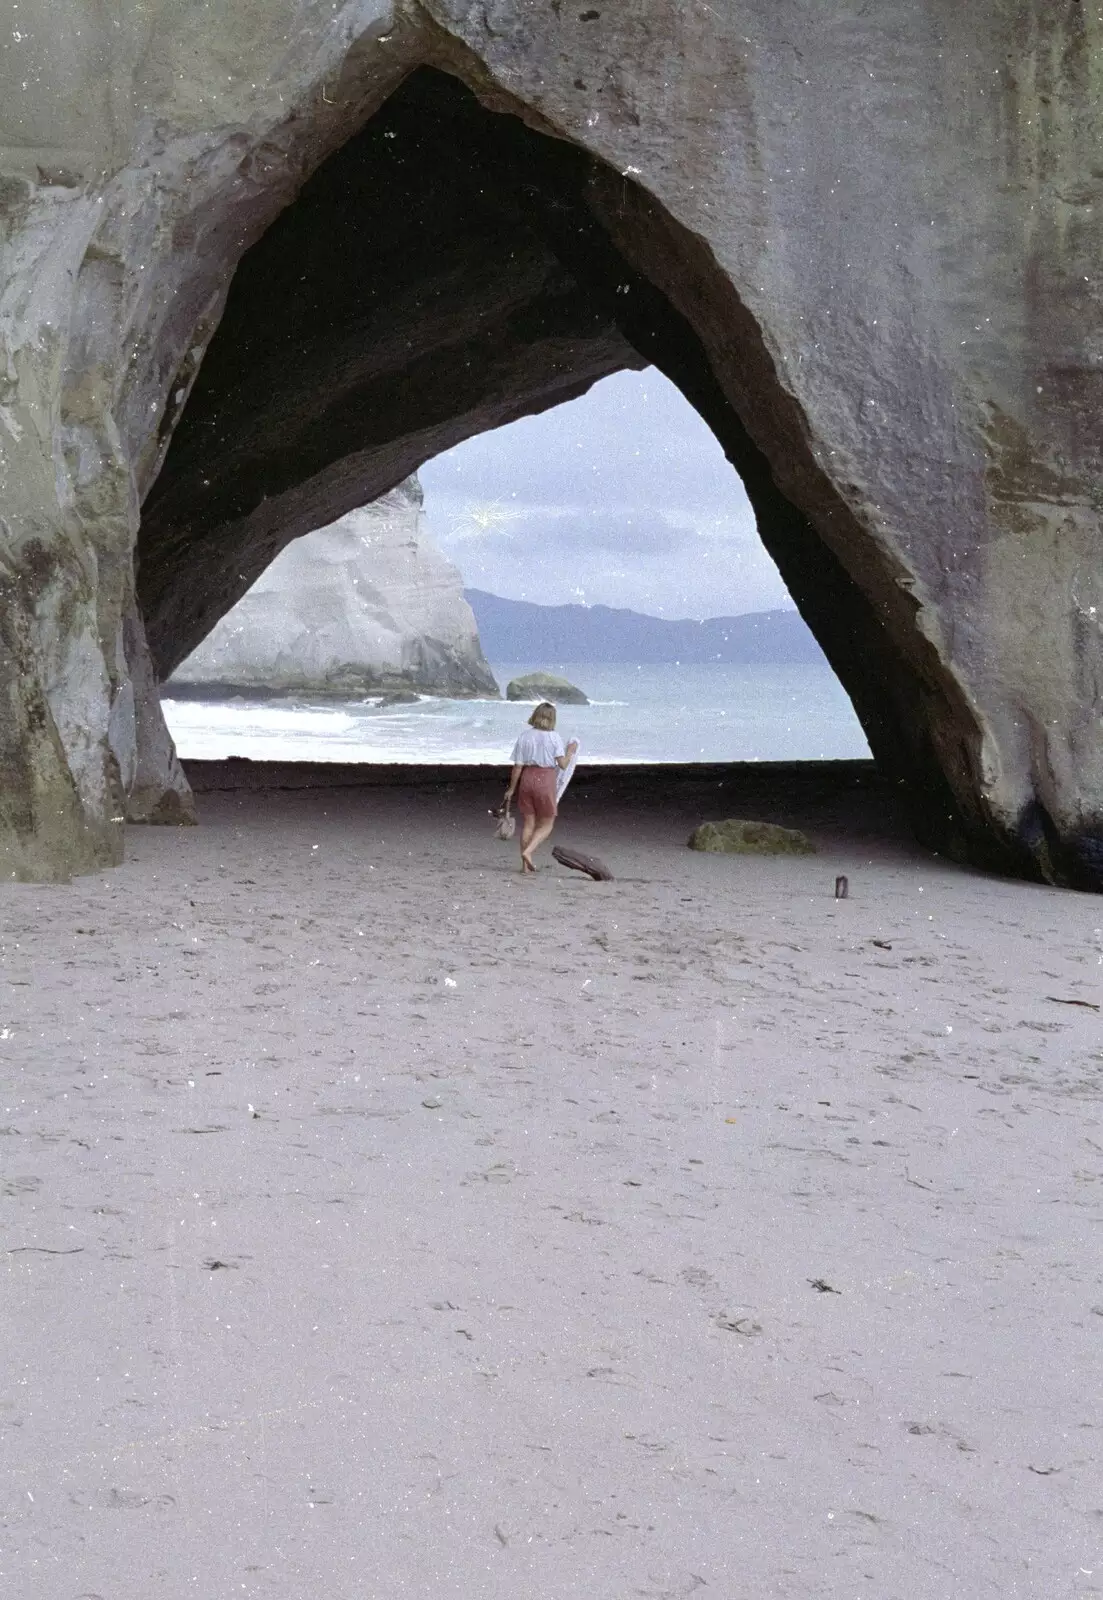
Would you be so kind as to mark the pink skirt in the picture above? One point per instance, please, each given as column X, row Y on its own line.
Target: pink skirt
column 536, row 793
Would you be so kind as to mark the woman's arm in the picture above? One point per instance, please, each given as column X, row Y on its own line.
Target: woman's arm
column 564, row 761
column 514, row 780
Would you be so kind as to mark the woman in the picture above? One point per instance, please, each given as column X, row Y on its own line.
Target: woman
column 537, row 757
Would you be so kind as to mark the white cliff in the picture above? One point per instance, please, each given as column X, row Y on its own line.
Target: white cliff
column 363, row 606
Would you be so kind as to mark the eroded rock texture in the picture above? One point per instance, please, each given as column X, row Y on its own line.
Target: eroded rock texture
column 863, row 240
column 153, row 781
column 364, row 606
column 406, row 300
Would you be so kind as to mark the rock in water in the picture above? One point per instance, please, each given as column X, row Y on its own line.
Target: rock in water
column 545, row 686
column 365, row 605
column 736, row 837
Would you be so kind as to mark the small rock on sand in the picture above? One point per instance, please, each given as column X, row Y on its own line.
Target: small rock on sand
column 737, row 837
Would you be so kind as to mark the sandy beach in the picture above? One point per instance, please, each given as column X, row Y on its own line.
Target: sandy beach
column 376, row 1223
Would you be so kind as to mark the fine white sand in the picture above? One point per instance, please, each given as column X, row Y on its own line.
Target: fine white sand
column 504, row 1287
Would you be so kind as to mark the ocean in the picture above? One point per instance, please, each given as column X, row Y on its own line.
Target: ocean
column 646, row 713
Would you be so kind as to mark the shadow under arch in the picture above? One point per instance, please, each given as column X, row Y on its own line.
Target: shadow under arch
column 449, row 269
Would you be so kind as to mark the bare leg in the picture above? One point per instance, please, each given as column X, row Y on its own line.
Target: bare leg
column 540, row 832
column 528, row 823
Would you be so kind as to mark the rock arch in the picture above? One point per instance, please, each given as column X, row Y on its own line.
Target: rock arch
column 498, row 203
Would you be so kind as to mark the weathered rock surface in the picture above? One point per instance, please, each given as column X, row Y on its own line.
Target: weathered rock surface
column 545, row 686
column 154, row 785
column 364, row 606
column 410, row 297
column 869, row 258
column 736, row 836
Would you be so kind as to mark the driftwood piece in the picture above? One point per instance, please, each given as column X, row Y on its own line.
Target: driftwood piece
column 589, row 864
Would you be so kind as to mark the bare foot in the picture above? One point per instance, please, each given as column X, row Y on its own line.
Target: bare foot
column 526, row 865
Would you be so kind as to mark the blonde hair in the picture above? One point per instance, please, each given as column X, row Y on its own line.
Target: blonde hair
column 543, row 717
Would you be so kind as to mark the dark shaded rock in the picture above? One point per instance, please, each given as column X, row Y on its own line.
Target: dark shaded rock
column 156, row 790
column 736, row 837
column 545, row 686
column 408, row 299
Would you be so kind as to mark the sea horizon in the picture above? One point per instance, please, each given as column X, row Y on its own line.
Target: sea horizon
column 639, row 714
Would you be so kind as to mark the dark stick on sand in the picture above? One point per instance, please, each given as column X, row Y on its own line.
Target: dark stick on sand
column 589, row 864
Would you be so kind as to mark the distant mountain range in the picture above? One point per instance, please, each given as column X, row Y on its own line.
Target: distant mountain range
column 517, row 630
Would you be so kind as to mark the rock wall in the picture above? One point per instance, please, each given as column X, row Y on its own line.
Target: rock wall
column 153, row 780
column 364, row 605
column 863, row 240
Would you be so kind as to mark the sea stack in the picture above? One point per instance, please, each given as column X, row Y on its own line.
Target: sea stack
column 365, row 606
column 545, row 686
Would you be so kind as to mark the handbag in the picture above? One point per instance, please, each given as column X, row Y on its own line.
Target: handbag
column 506, row 827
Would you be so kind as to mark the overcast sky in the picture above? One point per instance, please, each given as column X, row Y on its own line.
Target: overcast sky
column 620, row 498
